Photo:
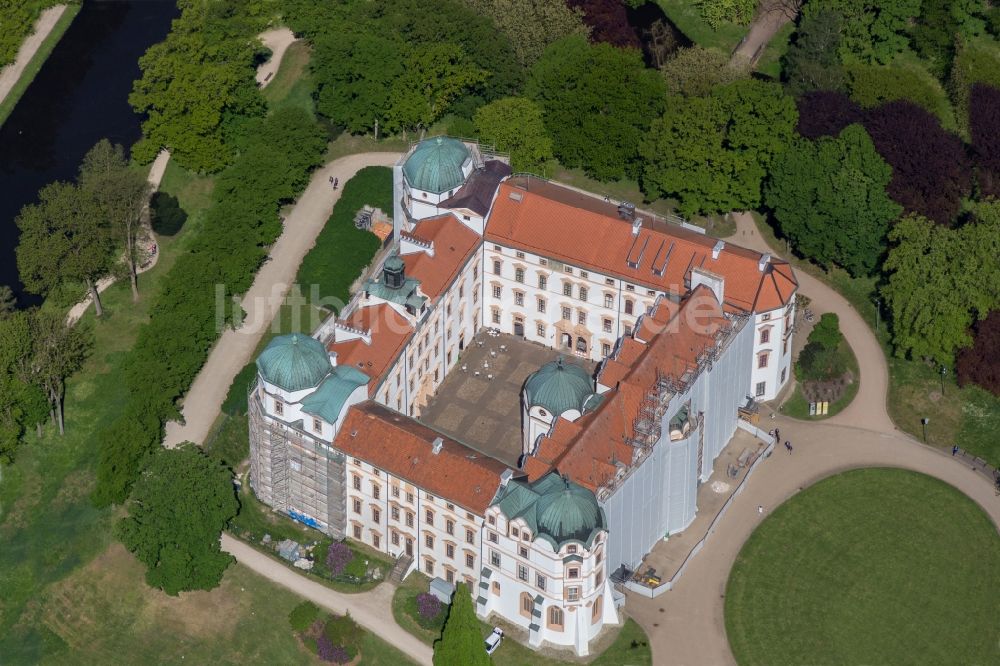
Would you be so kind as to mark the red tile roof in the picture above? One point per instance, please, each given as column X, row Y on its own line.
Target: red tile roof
column 588, row 449
column 403, row 447
column 556, row 222
column 453, row 243
column 389, row 334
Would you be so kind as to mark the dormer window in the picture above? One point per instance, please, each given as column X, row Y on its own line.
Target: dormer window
column 571, row 549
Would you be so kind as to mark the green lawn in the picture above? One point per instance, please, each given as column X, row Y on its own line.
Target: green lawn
column 292, row 84
column 969, row 417
column 798, row 407
column 874, row 566
column 41, row 55
column 511, row 653
column 686, row 15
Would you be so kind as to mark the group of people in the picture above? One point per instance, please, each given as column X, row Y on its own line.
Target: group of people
column 334, row 182
column 776, row 434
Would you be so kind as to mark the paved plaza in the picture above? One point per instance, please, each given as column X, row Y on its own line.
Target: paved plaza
column 479, row 402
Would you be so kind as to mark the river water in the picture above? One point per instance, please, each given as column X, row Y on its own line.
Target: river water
column 79, row 97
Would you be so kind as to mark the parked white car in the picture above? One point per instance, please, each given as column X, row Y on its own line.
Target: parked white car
column 493, row 640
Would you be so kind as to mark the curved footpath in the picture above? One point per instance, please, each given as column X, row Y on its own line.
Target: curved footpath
column 686, row 626
column 261, row 303
column 372, row 610
column 278, row 40
column 43, row 26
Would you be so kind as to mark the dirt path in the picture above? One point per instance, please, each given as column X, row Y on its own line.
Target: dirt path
column 234, row 348
column 688, row 623
column 278, row 40
column 372, row 610
column 43, row 26
column 156, row 171
column 772, row 15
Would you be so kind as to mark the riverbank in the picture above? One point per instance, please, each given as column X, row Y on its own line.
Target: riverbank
column 16, row 77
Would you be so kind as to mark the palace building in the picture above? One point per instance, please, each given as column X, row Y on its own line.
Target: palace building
column 682, row 329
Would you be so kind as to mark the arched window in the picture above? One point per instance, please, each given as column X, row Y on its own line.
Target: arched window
column 527, row 604
column 581, row 345
column 555, row 618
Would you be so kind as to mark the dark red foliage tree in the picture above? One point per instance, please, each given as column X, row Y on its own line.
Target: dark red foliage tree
column 931, row 171
column 980, row 363
column 608, row 21
column 984, row 128
column 826, row 113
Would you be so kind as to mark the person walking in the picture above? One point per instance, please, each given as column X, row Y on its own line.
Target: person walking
column 760, row 508
column 954, row 450
column 788, row 447
column 336, row 182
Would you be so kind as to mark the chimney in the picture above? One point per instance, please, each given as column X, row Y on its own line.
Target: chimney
column 505, row 477
column 636, row 226
column 765, row 259
column 333, row 357
column 719, row 246
column 436, row 447
column 626, row 210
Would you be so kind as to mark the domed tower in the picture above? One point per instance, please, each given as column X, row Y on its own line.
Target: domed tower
column 569, row 512
column 557, row 389
column 429, row 174
column 293, row 363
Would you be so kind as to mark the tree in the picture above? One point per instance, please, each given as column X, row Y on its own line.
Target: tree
column 461, row 642
column 984, row 129
column 434, row 76
column 813, row 60
column 829, row 197
column 713, row 152
column 940, row 280
column 976, row 61
column 717, row 12
column 608, row 22
column 514, row 125
column 939, row 23
column 597, row 103
column 121, row 194
column 931, row 173
column 197, row 84
column 826, row 113
column 8, row 301
column 694, row 71
column 873, row 30
column 178, row 508
column 63, row 239
column 978, row 364
column 826, row 333
column 872, row 85
column 531, row 25
column 58, row 351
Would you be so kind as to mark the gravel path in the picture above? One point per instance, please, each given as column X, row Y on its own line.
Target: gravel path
column 204, row 400
column 687, row 625
column 278, row 40
column 43, row 26
column 772, row 15
column 372, row 610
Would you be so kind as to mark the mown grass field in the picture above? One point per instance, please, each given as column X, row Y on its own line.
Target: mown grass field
column 873, row 566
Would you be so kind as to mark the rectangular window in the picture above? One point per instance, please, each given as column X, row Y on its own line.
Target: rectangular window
column 762, row 360
column 376, row 541
column 629, row 306
column 429, row 567
column 609, row 282
column 518, row 298
column 279, row 408
column 494, row 558
column 317, row 426
column 522, row 551
column 571, row 550
column 497, row 248
column 449, row 575
column 429, row 517
column 584, row 274
column 540, row 330
column 573, row 594
column 470, row 560
column 395, row 538
column 522, row 572
column 567, row 313
column 783, row 371
column 496, row 316
column 429, row 540
column 356, row 505
column 394, row 512
column 784, row 347
column 395, row 491
column 581, row 317
column 470, row 536
column 607, row 324
column 765, row 317
column 543, row 282
column 573, row 573
column 409, row 519
column 605, row 349
column 609, row 300
column 492, row 537
column 496, row 266
column 765, row 336
column 568, row 269
column 515, row 532
column 519, row 275
column 540, row 581
column 520, row 255
column 543, row 262
column 761, row 388
column 409, row 497
column 376, row 515
column 630, row 287
column 449, row 550
column 567, row 289
column 376, row 491
column 357, row 532
column 449, row 506
column 449, row 526
column 583, row 293
column 357, row 482
column 497, row 291
column 541, row 305
column 627, row 329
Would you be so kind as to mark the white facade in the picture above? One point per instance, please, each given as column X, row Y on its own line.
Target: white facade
column 772, row 353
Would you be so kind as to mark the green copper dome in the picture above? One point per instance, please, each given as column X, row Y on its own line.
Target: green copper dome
column 294, row 362
column 436, row 165
column 569, row 512
column 558, row 387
